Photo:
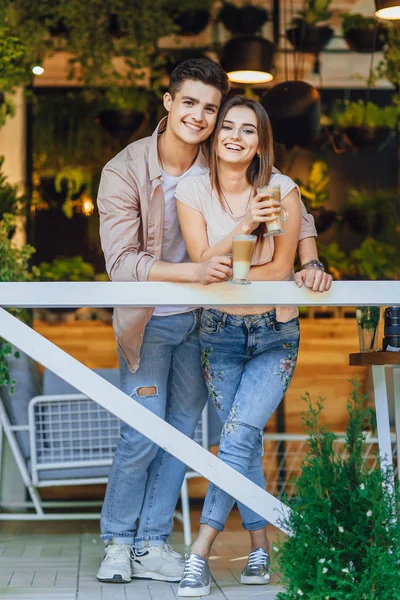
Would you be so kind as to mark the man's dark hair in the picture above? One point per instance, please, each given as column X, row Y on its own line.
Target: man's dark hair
column 199, row 69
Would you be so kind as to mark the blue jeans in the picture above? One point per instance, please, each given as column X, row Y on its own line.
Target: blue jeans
column 145, row 481
column 248, row 363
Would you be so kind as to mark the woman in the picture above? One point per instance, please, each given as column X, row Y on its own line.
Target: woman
column 248, row 353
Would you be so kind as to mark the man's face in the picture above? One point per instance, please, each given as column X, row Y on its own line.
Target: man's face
column 193, row 111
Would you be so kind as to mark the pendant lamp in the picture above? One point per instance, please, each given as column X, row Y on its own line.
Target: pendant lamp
column 248, row 59
column 388, row 9
column 294, row 111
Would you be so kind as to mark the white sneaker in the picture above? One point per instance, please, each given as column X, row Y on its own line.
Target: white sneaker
column 117, row 564
column 157, row 562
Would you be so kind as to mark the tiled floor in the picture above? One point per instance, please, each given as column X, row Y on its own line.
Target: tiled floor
column 59, row 561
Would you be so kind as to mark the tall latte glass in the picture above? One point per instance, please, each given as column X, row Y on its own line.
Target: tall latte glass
column 242, row 251
column 274, row 227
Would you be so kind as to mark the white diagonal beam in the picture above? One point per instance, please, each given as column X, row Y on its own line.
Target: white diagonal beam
column 144, row 421
column 64, row 294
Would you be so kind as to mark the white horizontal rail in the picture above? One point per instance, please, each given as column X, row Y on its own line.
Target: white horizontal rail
column 67, row 294
column 144, row 421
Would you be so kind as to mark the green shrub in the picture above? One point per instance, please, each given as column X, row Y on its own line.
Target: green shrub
column 65, row 269
column 359, row 114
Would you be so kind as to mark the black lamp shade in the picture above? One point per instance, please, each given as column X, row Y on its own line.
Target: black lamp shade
column 251, row 54
column 294, row 109
column 388, row 9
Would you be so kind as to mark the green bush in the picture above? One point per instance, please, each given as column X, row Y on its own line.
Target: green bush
column 346, row 538
column 359, row 114
column 65, row 269
column 357, row 21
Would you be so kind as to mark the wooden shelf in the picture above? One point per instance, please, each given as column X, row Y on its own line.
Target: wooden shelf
column 374, row 358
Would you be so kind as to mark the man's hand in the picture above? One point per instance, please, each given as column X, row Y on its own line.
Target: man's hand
column 314, row 279
column 215, row 270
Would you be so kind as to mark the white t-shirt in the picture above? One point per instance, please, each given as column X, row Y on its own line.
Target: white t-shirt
column 173, row 247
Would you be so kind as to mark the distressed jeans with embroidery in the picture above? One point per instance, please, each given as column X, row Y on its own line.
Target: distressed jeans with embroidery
column 145, row 481
column 248, row 363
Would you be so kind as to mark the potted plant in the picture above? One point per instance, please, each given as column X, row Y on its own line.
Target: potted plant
column 242, row 20
column 307, row 35
column 345, row 542
column 315, row 195
column 363, row 34
column 123, row 110
column 370, row 211
column 365, row 123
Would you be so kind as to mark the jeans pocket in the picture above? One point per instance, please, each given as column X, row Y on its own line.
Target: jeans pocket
column 292, row 326
column 209, row 323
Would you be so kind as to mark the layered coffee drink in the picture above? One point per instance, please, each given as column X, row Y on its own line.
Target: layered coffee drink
column 242, row 251
column 273, row 227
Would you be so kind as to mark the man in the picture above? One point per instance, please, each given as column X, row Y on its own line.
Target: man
column 141, row 241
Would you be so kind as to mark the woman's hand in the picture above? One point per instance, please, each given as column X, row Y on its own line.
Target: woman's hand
column 262, row 209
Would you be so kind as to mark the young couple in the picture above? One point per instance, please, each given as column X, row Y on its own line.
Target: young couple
column 247, row 355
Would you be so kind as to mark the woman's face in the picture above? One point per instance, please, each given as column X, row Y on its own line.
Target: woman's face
column 238, row 138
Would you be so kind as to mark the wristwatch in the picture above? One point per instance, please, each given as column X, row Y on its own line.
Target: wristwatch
column 313, row 264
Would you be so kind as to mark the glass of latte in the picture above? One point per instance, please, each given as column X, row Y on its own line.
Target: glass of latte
column 242, row 251
column 274, row 227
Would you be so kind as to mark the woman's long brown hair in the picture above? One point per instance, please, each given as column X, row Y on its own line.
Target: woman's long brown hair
column 260, row 169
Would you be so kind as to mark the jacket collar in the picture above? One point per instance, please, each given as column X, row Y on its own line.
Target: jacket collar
column 154, row 165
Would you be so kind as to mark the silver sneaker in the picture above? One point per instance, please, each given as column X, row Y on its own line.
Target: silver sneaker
column 256, row 571
column 116, row 565
column 161, row 563
column 196, row 577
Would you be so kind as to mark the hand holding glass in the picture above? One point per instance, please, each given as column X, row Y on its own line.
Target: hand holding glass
column 275, row 226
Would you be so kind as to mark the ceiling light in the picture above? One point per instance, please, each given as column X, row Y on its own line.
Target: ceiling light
column 388, row 9
column 248, row 60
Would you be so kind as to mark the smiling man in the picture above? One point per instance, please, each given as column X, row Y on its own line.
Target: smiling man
column 142, row 241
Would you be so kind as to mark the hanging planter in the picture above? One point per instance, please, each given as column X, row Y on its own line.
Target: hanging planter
column 192, row 22
column 309, row 38
column 365, row 124
column 124, row 110
column 242, row 20
column 306, row 35
column 363, row 34
column 294, row 110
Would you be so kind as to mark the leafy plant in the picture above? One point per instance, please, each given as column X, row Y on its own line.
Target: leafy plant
column 127, row 98
column 361, row 114
column 357, row 21
column 346, row 537
column 374, row 260
column 368, row 316
column 65, row 269
column 7, row 109
column 333, row 258
column 314, row 12
column 314, row 192
column 14, row 266
column 73, row 180
column 372, row 211
column 10, row 201
column 389, row 67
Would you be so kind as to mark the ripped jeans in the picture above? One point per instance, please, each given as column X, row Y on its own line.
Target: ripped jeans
column 248, row 363
column 145, row 481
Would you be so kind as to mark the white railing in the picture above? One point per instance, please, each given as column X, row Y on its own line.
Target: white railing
column 33, row 295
